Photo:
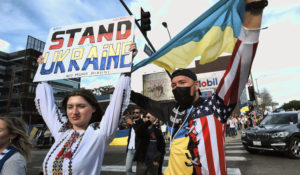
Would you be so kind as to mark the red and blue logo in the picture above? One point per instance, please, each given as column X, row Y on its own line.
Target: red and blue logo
column 209, row 82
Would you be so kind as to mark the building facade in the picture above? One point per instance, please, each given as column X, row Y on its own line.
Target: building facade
column 17, row 90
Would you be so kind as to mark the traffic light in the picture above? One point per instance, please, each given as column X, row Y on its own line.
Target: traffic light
column 251, row 107
column 145, row 21
column 251, row 93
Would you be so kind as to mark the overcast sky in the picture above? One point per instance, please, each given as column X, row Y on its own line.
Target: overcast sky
column 276, row 66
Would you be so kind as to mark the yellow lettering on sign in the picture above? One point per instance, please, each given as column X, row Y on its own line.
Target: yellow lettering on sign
column 46, row 57
column 77, row 53
column 63, row 56
column 104, row 52
column 93, row 53
column 113, row 52
column 55, row 56
column 124, row 46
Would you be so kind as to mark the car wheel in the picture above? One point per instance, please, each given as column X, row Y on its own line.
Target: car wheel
column 294, row 148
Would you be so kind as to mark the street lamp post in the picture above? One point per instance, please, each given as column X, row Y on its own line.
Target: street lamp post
column 166, row 26
column 257, row 85
column 258, row 88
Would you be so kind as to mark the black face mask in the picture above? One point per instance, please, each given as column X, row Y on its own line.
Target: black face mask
column 183, row 97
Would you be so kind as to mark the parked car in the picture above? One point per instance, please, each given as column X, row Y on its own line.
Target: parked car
column 276, row 132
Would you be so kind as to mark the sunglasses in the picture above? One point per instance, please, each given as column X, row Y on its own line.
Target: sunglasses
column 136, row 112
column 148, row 117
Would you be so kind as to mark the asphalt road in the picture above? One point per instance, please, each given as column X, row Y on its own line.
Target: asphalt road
column 238, row 160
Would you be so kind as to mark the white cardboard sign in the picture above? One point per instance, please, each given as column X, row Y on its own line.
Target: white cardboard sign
column 87, row 49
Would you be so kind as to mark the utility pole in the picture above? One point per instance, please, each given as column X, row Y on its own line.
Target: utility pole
column 256, row 101
column 143, row 32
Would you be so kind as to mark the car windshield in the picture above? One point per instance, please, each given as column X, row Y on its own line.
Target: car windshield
column 280, row 119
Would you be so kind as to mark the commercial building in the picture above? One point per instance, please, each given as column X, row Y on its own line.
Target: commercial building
column 17, row 91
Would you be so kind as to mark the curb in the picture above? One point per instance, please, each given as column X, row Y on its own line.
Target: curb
column 236, row 138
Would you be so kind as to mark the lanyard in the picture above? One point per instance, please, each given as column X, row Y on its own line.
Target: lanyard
column 187, row 116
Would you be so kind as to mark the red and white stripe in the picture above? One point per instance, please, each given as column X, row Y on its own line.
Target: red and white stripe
column 239, row 66
column 211, row 145
column 210, row 129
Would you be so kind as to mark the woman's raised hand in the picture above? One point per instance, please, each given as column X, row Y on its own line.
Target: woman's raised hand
column 40, row 59
column 133, row 49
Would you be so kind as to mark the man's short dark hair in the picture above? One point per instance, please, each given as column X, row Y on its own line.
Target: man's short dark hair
column 184, row 72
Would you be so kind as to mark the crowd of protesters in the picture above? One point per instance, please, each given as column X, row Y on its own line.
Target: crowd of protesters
column 243, row 121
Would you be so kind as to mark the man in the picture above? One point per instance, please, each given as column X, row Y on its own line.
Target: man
column 196, row 126
column 145, row 118
column 150, row 147
column 133, row 123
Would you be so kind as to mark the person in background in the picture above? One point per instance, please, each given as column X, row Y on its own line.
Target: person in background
column 163, row 128
column 130, row 151
column 15, row 146
column 47, row 136
column 145, row 119
column 150, row 147
column 228, row 131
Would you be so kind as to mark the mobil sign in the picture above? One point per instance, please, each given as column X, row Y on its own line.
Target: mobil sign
column 209, row 80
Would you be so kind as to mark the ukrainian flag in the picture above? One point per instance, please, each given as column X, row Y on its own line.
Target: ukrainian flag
column 244, row 108
column 211, row 34
column 32, row 130
column 121, row 137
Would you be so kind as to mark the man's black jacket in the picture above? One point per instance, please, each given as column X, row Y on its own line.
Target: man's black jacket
column 142, row 142
column 134, row 126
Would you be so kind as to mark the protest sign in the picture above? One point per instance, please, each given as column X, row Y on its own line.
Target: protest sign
column 87, row 49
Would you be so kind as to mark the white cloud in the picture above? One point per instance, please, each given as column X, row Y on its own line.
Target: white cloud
column 276, row 14
column 4, row 46
column 277, row 57
column 14, row 19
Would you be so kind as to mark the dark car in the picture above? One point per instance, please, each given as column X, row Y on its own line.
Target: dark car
column 276, row 132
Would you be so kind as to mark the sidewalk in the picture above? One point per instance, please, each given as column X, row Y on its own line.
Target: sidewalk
column 236, row 138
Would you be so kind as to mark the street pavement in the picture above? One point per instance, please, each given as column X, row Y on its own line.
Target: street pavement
column 238, row 160
column 117, row 168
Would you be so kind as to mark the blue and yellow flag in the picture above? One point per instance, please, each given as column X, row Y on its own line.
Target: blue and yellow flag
column 211, row 34
column 244, row 108
column 121, row 137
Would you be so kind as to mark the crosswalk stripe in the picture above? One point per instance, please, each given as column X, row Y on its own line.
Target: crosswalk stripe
column 228, row 158
column 236, row 151
column 230, row 147
column 233, row 171
column 235, row 158
column 234, row 143
column 121, row 168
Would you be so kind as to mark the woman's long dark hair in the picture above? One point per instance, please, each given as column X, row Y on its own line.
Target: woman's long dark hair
column 90, row 98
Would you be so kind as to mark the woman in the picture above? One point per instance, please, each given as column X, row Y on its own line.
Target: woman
column 15, row 146
column 80, row 138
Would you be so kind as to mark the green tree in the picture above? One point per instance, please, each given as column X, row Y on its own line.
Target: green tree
column 109, row 89
column 294, row 104
column 266, row 99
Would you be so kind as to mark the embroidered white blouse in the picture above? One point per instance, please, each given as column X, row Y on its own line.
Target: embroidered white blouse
column 89, row 150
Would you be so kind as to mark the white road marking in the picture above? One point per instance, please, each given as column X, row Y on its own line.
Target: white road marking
column 236, row 151
column 228, row 158
column 230, row 147
column 121, row 168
